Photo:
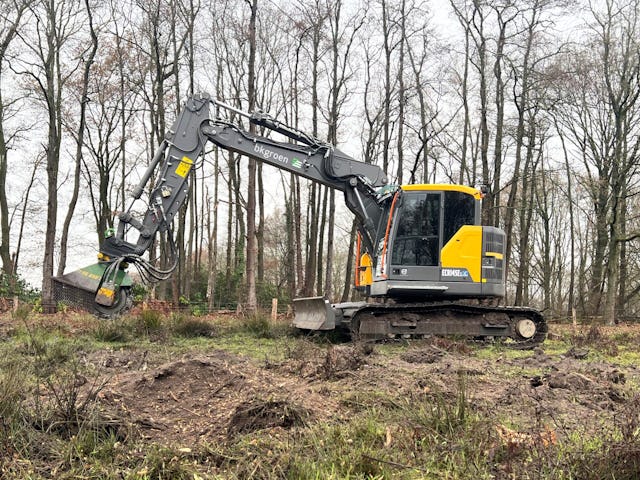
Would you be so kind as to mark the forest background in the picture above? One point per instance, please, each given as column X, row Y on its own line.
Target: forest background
column 536, row 99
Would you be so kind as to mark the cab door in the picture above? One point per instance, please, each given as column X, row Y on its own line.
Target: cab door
column 416, row 243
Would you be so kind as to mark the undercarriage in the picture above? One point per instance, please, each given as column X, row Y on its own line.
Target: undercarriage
column 516, row 327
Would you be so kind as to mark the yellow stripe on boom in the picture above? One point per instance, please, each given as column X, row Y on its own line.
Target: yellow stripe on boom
column 184, row 166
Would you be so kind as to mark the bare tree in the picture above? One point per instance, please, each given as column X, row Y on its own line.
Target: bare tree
column 54, row 25
column 599, row 113
column 84, row 87
column 10, row 24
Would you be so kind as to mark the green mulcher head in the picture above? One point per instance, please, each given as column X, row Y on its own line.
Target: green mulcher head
column 96, row 288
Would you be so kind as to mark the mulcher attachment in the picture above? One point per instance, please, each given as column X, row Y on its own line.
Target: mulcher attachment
column 96, row 289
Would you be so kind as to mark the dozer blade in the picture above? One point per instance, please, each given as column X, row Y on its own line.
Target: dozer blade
column 84, row 288
column 313, row 313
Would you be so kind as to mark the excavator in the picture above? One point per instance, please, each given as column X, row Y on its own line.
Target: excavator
column 424, row 262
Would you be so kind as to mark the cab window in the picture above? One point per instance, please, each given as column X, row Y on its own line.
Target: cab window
column 418, row 232
column 459, row 209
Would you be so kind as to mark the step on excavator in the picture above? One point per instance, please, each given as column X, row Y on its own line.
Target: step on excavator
column 425, row 263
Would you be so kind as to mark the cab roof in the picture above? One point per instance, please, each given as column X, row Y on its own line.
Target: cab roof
column 477, row 194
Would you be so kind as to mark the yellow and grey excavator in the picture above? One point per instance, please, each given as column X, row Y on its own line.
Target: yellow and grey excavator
column 424, row 262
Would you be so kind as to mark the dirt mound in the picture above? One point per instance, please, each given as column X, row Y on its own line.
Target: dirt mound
column 259, row 415
column 427, row 354
column 117, row 360
column 203, row 397
column 340, row 360
column 313, row 362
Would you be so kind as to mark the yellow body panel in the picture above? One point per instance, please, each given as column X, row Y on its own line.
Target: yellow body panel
column 464, row 250
column 477, row 194
column 365, row 271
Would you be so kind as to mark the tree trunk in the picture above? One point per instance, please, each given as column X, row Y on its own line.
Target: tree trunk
column 348, row 278
column 52, row 92
column 213, row 238
column 401, row 94
column 252, row 301
column 499, row 102
column 5, row 255
column 260, row 230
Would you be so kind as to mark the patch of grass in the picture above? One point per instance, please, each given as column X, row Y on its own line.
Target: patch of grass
column 257, row 324
column 342, row 450
column 369, row 445
column 13, row 389
column 49, row 419
column 628, row 355
column 383, row 437
column 595, row 339
column 47, row 352
column 499, row 350
column 434, row 432
column 260, row 325
column 360, row 401
column 113, row 331
column 554, row 347
column 624, row 338
column 191, row 327
column 164, row 463
column 440, row 414
column 613, row 452
column 352, row 451
column 149, row 321
column 619, row 453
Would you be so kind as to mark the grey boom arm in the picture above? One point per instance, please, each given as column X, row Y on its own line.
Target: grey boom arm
column 185, row 142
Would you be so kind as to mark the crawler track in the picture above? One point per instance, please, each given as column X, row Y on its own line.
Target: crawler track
column 519, row 327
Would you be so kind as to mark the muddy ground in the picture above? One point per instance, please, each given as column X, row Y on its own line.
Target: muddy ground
column 226, row 398
column 213, row 395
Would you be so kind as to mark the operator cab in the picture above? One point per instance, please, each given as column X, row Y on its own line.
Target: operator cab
column 433, row 246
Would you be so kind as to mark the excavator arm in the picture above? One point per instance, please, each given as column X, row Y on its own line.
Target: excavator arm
column 171, row 164
column 310, row 158
column 320, row 162
column 103, row 287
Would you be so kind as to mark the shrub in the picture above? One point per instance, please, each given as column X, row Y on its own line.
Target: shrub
column 257, row 324
column 22, row 313
column 189, row 327
column 149, row 321
column 112, row 331
column 13, row 285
